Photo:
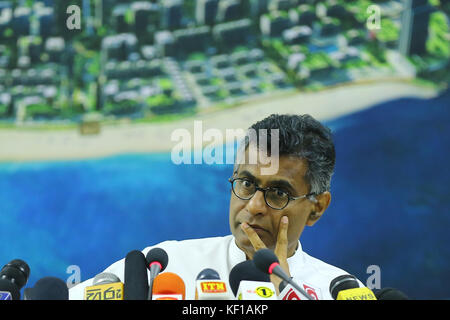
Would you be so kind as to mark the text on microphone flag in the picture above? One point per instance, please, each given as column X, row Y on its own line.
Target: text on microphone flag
column 105, row 292
column 213, row 287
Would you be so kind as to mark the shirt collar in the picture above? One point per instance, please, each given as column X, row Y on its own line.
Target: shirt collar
column 298, row 258
column 235, row 255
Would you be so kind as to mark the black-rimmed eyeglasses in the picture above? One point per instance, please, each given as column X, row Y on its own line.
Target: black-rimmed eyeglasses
column 275, row 198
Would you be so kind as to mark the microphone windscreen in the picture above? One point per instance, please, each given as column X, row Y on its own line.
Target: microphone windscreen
column 208, row 274
column 17, row 271
column 245, row 270
column 344, row 282
column 8, row 286
column 390, row 294
column 48, row 288
column 169, row 283
column 135, row 279
column 22, row 266
column 157, row 255
column 104, row 278
column 264, row 258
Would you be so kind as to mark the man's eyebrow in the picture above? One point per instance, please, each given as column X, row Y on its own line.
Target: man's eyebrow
column 247, row 174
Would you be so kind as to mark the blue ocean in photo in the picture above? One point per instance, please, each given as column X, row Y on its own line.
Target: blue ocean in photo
column 390, row 203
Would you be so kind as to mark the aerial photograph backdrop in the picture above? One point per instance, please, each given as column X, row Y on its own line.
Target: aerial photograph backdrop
column 92, row 92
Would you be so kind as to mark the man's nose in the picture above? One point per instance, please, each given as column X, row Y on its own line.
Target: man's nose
column 257, row 204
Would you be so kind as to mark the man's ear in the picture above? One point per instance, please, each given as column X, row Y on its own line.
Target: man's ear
column 319, row 207
column 313, row 218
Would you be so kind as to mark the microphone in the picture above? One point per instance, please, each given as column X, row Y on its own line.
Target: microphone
column 168, row 286
column 208, row 286
column 288, row 292
column 8, row 290
column 346, row 287
column 390, row 294
column 106, row 286
column 13, row 276
column 266, row 261
column 249, row 283
column 245, row 271
column 136, row 278
column 157, row 261
column 47, row 288
column 208, row 274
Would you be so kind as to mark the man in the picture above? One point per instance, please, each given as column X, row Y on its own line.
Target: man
column 266, row 210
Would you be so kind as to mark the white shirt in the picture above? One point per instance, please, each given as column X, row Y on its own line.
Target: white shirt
column 188, row 258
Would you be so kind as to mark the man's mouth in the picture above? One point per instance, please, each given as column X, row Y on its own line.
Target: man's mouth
column 257, row 228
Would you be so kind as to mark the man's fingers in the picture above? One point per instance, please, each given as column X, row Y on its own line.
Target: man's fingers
column 282, row 240
column 255, row 240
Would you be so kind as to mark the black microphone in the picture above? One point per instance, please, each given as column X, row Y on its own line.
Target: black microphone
column 8, row 290
column 282, row 285
column 157, row 261
column 390, row 294
column 208, row 274
column 341, row 283
column 209, row 286
column 136, row 278
column 346, row 287
column 266, row 261
column 245, row 271
column 13, row 276
column 47, row 288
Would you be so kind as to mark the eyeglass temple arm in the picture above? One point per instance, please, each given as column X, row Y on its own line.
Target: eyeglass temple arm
column 310, row 196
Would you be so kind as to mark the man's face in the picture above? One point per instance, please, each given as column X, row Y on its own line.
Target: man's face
column 264, row 219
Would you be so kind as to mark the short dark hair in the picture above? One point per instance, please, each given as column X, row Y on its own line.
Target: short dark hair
column 304, row 137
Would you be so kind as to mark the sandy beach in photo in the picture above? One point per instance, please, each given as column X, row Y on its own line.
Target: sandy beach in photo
column 31, row 145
